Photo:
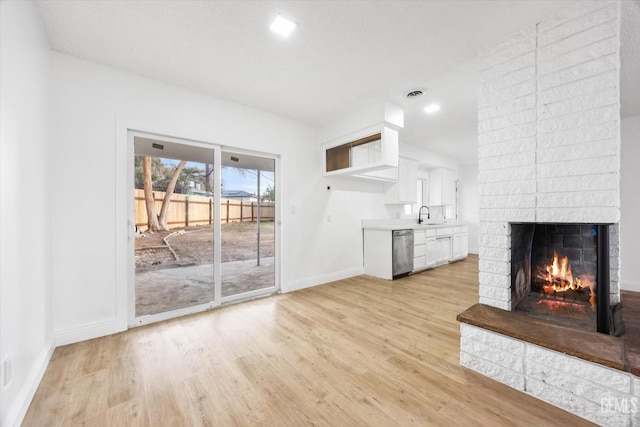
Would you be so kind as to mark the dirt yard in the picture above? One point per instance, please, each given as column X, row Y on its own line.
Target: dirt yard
column 174, row 268
column 194, row 245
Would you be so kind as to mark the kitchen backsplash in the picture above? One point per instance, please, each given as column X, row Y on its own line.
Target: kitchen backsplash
column 397, row 215
column 443, row 212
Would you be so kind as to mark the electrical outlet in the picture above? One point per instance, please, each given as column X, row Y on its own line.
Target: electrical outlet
column 7, row 371
column 328, row 218
column 293, row 209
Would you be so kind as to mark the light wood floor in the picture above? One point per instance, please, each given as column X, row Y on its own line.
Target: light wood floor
column 357, row 352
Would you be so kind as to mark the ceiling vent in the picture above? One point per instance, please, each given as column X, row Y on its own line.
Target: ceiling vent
column 415, row 93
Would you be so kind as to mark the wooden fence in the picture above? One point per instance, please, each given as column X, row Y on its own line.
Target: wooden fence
column 187, row 210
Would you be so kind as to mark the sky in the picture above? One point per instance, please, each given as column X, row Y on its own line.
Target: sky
column 235, row 179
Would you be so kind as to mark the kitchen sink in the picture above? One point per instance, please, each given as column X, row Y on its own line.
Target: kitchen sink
column 425, row 223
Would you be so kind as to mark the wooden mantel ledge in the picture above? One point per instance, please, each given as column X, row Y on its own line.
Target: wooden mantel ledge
column 591, row 346
column 631, row 318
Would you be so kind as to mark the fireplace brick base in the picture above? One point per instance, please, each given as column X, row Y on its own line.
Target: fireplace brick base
column 600, row 394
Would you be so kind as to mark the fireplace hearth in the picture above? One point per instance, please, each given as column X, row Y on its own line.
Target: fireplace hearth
column 560, row 272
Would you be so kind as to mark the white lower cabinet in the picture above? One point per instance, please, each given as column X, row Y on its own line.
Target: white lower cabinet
column 443, row 245
column 460, row 243
column 432, row 247
column 419, row 250
column 456, row 247
column 378, row 253
column 465, row 245
column 425, row 250
column 432, row 251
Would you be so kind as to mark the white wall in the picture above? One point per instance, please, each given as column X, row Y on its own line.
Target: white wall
column 469, row 202
column 426, row 158
column 89, row 174
column 630, row 204
column 25, row 243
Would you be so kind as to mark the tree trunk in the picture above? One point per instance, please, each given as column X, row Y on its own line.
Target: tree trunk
column 152, row 217
column 171, row 186
column 207, row 178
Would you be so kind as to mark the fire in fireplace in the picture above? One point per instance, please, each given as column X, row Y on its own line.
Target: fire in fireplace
column 558, row 273
column 556, row 279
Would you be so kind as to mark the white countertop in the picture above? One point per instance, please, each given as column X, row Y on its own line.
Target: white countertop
column 405, row 224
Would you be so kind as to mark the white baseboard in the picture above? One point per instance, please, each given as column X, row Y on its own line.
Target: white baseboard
column 308, row 282
column 630, row 285
column 87, row 332
column 16, row 413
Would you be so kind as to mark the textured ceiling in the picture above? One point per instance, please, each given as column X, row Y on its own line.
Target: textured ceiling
column 344, row 55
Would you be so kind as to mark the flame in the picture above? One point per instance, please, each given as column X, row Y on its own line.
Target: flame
column 559, row 278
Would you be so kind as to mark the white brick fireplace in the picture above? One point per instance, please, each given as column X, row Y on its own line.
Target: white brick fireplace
column 549, row 134
column 549, row 152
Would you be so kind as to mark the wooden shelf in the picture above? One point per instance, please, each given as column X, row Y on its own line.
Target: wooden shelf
column 338, row 158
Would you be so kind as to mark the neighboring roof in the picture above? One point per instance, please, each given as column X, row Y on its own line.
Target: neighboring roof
column 237, row 193
column 199, row 192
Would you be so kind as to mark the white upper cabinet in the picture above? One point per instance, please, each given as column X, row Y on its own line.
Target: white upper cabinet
column 442, row 187
column 372, row 150
column 360, row 153
column 404, row 190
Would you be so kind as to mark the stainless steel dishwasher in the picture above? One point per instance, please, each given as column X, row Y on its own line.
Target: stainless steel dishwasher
column 402, row 248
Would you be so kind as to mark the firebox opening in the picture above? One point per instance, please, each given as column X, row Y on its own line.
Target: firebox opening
column 557, row 273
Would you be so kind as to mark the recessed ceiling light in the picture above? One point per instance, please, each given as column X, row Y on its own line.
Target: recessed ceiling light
column 432, row 108
column 282, row 26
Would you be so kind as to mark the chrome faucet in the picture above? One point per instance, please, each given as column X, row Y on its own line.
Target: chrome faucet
column 420, row 214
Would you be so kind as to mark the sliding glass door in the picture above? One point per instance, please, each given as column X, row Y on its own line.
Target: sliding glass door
column 205, row 227
column 248, row 225
column 174, row 208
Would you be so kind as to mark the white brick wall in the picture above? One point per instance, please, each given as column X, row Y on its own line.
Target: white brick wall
column 496, row 254
column 584, row 150
column 494, row 277
column 508, row 134
column 549, row 133
column 602, row 81
column 553, row 31
column 504, row 161
column 583, row 118
column 578, row 56
column 583, row 388
column 579, row 135
column 614, row 261
column 570, row 214
column 507, row 147
column 604, row 181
